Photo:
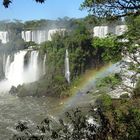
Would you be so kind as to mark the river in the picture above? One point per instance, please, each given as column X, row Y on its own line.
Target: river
column 13, row 109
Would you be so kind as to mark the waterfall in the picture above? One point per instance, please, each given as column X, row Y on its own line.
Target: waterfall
column 51, row 32
column 26, row 35
column 67, row 71
column 4, row 36
column 100, row 31
column 7, row 66
column 15, row 71
column 31, row 73
column 15, row 75
column 37, row 36
column 44, row 65
column 120, row 29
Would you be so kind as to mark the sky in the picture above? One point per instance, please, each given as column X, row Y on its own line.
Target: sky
column 52, row 9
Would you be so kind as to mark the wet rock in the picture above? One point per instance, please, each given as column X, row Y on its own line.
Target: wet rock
column 13, row 90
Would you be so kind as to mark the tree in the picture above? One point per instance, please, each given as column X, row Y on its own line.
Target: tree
column 7, row 2
column 113, row 8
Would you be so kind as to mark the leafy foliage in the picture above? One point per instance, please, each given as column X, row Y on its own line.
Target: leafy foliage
column 113, row 8
column 107, row 48
column 6, row 3
column 109, row 119
column 110, row 81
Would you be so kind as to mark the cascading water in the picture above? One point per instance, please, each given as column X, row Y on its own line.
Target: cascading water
column 100, row 31
column 31, row 72
column 67, row 71
column 4, row 36
column 51, row 32
column 37, row 36
column 26, row 35
column 7, row 66
column 44, row 65
column 15, row 75
column 15, row 71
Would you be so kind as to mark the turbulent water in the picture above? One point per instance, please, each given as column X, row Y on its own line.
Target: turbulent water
column 22, row 67
column 13, row 109
column 17, row 72
column 34, row 110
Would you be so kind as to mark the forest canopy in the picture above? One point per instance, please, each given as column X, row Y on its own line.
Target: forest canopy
column 113, row 8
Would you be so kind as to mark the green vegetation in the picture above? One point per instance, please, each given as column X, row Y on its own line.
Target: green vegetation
column 109, row 119
column 112, row 9
column 114, row 119
column 15, row 43
column 85, row 52
column 117, row 119
column 108, row 48
column 110, row 81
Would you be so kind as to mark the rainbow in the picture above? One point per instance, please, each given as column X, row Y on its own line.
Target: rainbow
column 88, row 81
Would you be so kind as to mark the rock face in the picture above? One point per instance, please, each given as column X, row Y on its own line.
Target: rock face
column 1, row 67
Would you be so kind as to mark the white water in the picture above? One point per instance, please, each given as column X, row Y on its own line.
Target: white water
column 120, row 29
column 44, row 65
column 4, row 36
column 37, row 36
column 7, row 66
column 26, row 36
column 54, row 31
column 102, row 31
column 67, row 70
column 31, row 73
column 15, row 71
